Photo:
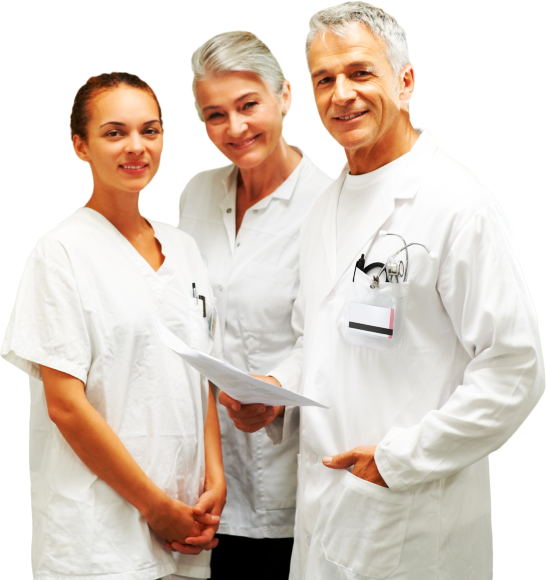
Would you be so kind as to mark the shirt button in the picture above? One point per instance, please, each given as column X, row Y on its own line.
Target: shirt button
column 255, row 210
column 318, row 377
column 238, row 244
column 313, row 458
column 308, row 540
column 228, row 210
column 220, row 287
column 331, row 295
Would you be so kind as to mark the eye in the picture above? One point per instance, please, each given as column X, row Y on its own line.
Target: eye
column 326, row 80
column 249, row 105
column 113, row 133
column 150, row 131
column 362, row 73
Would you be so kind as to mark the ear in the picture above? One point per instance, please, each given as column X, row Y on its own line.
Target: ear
column 80, row 147
column 286, row 97
column 406, row 84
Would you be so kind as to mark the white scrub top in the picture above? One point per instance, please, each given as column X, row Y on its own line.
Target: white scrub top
column 462, row 371
column 85, row 306
column 254, row 277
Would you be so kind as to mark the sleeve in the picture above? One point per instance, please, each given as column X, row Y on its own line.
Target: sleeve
column 181, row 204
column 47, row 325
column 484, row 293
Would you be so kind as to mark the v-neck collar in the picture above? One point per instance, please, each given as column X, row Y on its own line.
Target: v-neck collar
column 157, row 280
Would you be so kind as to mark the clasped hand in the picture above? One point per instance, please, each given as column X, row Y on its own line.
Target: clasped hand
column 251, row 418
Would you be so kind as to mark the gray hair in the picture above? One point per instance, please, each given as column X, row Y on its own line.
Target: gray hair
column 235, row 52
column 381, row 24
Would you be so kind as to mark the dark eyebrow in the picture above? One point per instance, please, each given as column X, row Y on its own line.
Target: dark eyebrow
column 118, row 124
column 242, row 97
column 359, row 64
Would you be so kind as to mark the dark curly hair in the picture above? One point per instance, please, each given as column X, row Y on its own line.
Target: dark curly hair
column 81, row 112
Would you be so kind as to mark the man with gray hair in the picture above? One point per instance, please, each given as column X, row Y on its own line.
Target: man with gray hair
column 426, row 369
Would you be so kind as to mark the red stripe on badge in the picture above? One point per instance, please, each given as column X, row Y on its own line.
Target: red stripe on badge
column 391, row 322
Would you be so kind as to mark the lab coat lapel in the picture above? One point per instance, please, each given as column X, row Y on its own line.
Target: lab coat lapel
column 227, row 205
column 379, row 212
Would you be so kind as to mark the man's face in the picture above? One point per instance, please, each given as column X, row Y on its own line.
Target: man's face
column 354, row 86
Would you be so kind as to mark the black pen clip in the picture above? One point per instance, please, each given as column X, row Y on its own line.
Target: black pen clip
column 204, row 305
column 360, row 265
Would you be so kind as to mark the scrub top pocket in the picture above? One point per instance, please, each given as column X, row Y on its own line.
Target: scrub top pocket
column 366, row 528
column 374, row 318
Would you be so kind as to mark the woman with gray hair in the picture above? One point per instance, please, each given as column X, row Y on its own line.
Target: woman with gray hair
column 246, row 219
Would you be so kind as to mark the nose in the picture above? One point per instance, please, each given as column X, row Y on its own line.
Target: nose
column 237, row 125
column 135, row 144
column 343, row 91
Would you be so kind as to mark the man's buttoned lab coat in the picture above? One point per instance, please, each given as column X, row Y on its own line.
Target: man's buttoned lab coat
column 463, row 373
column 254, row 276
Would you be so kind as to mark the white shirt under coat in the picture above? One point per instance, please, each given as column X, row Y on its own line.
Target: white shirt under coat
column 85, row 306
column 466, row 370
column 254, row 276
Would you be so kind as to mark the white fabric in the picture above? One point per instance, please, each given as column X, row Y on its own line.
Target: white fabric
column 85, row 306
column 465, row 371
column 255, row 279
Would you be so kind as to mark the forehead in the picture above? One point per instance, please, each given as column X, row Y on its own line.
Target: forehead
column 217, row 89
column 123, row 104
column 329, row 51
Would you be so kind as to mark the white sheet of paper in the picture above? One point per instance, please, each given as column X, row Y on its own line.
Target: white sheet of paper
column 237, row 384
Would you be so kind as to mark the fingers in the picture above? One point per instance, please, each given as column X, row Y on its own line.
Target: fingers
column 207, row 519
column 228, row 402
column 184, row 548
column 340, row 461
column 206, row 537
column 206, row 503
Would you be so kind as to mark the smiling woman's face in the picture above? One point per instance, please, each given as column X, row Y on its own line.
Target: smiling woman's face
column 124, row 140
column 243, row 116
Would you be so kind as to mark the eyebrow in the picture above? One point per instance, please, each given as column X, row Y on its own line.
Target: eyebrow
column 358, row 64
column 241, row 98
column 117, row 123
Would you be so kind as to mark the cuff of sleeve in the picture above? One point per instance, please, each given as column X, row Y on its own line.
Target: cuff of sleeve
column 384, row 465
column 282, row 428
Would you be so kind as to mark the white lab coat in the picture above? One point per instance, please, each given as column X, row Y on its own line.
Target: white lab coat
column 255, row 280
column 463, row 374
column 86, row 307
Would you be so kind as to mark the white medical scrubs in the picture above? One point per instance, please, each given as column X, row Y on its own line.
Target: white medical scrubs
column 85, row 306
column 254, row 276
column 461, row 372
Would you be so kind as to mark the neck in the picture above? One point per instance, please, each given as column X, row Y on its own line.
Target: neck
column 397, row 141
column 258, row 182
column 120, row 208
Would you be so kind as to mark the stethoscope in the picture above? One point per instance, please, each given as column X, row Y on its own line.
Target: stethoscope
column 393, row 269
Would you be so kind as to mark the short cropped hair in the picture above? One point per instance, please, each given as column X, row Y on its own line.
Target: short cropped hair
column 81, row 110
column 381, row 24
column 235, row 52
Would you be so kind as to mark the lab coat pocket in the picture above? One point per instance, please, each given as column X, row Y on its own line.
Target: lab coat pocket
column 366, row 528
column 267, row 297
column 374, row 318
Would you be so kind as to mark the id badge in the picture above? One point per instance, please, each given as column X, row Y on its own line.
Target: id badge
column 212, row 322
column 371, row 320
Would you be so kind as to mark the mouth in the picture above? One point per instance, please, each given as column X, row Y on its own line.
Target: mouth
column 245, row 143
column 134, row 168
column 350, row 116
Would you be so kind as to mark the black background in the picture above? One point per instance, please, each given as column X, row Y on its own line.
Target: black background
column 470, row 93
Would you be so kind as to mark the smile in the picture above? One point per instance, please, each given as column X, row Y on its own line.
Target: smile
column 133, row 166
column 245, row 143
column 351, row 116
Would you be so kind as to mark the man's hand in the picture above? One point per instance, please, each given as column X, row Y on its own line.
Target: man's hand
column 364, row 464
column 251, row 418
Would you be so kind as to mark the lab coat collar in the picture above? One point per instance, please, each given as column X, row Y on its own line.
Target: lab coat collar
column 402, row 184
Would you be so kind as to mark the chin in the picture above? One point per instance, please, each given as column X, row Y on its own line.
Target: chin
column 249, row 160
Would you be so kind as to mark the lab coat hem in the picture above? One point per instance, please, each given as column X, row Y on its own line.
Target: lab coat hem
column 258, row 533
column 152, row 573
